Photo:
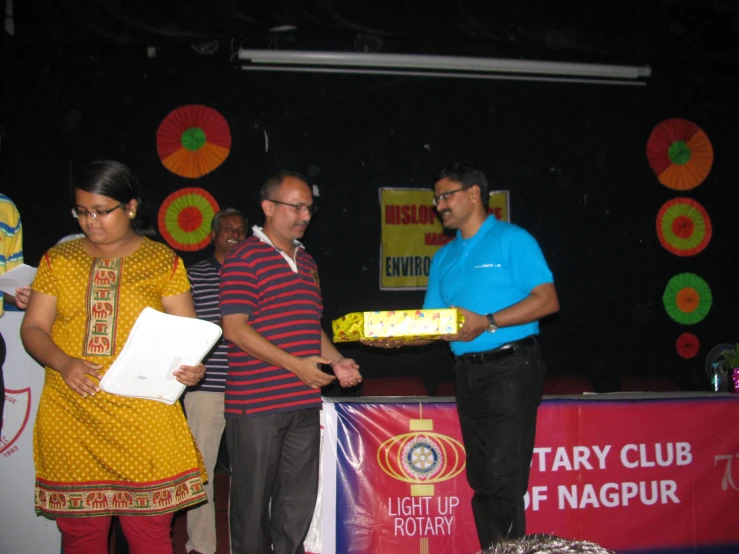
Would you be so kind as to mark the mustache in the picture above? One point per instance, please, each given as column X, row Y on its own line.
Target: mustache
column 445, row 211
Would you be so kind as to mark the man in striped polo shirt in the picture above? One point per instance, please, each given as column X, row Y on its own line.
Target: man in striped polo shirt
column 204, row 404
column 271, row 306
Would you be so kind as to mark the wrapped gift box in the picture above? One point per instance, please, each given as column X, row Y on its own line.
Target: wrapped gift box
column 397, row 324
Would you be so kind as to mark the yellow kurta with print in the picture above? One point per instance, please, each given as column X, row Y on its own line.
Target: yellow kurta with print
column 109, row 454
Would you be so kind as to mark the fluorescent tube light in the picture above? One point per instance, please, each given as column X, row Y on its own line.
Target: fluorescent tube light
column 423, row 65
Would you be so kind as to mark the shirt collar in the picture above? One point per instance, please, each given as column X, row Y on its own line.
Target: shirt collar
column 292, row 262
column 214, row 262
column 490, row 221
column 259, row 233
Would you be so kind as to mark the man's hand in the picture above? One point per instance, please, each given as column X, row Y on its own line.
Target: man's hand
column 474, row 325
column 306, row 369
column 189, row 375
column 75, row 374
column 347, row 371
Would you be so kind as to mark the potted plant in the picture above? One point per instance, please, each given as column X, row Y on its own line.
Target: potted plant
column 731, row 364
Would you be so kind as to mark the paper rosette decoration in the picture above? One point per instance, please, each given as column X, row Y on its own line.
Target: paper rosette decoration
column 680, row 153
column 185, row 217
column 687, row 345
column 687, row 298
column 683, row 227
column 193, row 140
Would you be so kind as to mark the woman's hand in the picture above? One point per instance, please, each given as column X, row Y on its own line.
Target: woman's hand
column 22, row 295
column 189, row 374
column 75, row 374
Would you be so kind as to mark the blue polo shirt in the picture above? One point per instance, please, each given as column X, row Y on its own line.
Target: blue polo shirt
column 485, row 273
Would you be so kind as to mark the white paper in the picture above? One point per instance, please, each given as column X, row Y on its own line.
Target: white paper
column 21, row 276
column 159, row 344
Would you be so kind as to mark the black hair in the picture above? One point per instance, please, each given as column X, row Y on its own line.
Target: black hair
column 467, row 175
column 114, row 180
column 215, row 224
column 271, row 185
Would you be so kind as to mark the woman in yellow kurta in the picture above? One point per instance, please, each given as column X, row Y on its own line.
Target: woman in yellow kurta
column 98, row 454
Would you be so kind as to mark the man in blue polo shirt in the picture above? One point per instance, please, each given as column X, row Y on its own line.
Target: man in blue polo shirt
column 496, row 275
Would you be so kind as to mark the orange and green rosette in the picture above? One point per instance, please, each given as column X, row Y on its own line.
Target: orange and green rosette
column 193, row 140
column 687, row 298
column 680, row 154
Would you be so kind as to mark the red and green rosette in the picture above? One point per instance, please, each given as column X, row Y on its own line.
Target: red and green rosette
column 185, row 217
column 193, row 140
column 683, row 227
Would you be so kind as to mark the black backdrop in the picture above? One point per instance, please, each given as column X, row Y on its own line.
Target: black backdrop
column 572, row 155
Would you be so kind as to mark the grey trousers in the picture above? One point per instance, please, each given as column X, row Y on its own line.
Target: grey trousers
column 205, row 417
column 274, row 458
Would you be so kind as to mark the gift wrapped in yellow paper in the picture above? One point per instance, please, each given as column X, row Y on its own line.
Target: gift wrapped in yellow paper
column 398, row 324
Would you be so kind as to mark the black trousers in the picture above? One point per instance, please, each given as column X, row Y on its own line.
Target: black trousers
column 497, row 404
column 274, row 480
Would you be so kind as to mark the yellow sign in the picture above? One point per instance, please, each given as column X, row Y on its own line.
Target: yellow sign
column 412, row 233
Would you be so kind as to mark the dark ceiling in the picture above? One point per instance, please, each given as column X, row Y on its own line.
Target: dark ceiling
column 704, row 31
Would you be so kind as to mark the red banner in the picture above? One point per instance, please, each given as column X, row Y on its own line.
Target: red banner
column 631, row 475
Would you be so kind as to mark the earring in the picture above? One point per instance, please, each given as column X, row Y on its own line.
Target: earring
column 132, row 214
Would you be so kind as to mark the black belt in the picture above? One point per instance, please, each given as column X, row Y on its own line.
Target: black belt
column 503, row 351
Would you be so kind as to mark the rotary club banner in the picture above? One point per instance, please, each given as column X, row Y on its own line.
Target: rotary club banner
column 635, row 476
column 412, row 233
column 409, row 490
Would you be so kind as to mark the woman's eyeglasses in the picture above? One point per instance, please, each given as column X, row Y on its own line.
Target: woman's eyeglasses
column 79, row 213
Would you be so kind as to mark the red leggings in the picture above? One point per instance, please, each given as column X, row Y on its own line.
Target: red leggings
column 89, row 535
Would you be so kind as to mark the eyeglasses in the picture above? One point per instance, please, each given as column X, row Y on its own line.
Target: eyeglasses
column 79, row 213
column 299, row 208
column 445, row 195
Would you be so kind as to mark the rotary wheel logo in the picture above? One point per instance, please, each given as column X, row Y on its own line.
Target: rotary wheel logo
column 422, row 457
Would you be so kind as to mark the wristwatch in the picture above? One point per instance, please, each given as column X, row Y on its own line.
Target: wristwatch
column 492, row 326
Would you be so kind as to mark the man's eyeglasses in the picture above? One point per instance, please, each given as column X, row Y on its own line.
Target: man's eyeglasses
column 445, row 195
column 79, row 213
column 300, row 208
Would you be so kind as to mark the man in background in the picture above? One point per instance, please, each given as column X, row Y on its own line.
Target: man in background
column 204, row 404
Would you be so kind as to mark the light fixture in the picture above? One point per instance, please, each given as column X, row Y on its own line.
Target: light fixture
column 441, row 66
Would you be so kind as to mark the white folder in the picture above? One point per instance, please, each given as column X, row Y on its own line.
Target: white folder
column 158, row 345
